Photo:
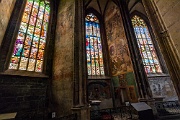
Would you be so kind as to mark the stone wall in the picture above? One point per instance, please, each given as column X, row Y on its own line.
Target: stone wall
column 62, row 84
column 170, row 13
column 19, row 93
column 5, row 13
column 24, row 95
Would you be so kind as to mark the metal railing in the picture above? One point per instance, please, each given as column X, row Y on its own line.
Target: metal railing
column 68, row 117
column 166, row 108
column 108, row 114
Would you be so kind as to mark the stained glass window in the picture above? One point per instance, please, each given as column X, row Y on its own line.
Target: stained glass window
column 95, row 65
column 146, row 47
column 30, row 43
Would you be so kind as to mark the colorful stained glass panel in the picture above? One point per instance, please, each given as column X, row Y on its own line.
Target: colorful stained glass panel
column 148, row 54
column 31, row 64
column 29, row 46
column 94, row 55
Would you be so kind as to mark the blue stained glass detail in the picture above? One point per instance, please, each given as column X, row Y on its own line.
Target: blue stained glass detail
column 148, row 54
column 95, row 65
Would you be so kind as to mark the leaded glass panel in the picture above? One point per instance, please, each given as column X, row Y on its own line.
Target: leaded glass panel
column 31, row 39
column 95, row 65
column 146, row 47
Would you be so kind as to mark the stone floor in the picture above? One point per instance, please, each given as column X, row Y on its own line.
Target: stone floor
column 135, row 117
column 124, row 117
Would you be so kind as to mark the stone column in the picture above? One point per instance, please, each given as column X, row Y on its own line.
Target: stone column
column 80, row 105
column 141, row 78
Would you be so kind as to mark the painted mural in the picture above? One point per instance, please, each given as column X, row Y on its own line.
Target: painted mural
column 162, row 87
column 99, row 90
column 117, row 42
column 120, row 60
column 125, row 88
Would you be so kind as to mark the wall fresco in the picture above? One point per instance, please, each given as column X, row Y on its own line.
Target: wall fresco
column 117, row 42
column 162, row 87
column 120, row 60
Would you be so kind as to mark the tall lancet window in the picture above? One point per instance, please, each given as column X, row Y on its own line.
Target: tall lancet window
column 28, row 53
column 146, row 47
column 95, row 65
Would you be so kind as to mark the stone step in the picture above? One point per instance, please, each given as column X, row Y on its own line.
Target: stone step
column 170, row 117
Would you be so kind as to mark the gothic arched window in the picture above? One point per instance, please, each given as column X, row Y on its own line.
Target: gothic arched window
column 30, row 42
column 146, row 47
column 95, row 64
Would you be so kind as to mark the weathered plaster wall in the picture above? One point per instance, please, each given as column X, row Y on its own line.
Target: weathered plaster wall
column 170, row 12
column 6, row 7
column 62, row 84
column 117, row 42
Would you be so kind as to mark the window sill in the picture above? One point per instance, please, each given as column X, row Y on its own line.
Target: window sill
column 23, row 73
column 158, row 75
column 98, row 77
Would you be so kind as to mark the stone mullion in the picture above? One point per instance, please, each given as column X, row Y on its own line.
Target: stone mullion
column 141, row 78
column 76, row 61
column 168, row 50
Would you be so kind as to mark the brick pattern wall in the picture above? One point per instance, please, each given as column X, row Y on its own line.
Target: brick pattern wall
column 22, row 94
column 6, row 7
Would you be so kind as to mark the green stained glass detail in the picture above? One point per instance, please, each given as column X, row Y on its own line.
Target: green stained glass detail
column 28, row 53
column 146, row 47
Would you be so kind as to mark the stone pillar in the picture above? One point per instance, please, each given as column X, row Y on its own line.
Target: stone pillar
column 141, row 78
column 80, row 105
column 62, row 74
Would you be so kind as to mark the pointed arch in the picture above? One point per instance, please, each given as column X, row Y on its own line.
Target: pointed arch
column 94, row 52
column 146, row 47
column 31, row 39
column 29, row 36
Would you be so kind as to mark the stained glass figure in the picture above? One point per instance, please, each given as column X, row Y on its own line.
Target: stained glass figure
column 95, row 65
column 31, row 39
column 146, row 47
